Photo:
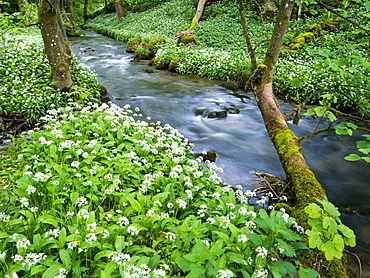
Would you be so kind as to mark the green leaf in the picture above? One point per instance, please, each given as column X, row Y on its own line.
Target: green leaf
column 154, row 262
column 217, row 247
column 49, row 219
column 313, row 210
column 330, row 225
column 288, row 249
column 314, row 239
column 352, row 157
column 224, row 236
column 184, row 264
column 134, row 203
column 52, row 271
column 4, row 235
column 333, row 248
column 109, row 268
column 330, row 208
column 307, row 273
column 120, row 243
column 62, row 237
column 349, row 235
column 37, row 269
column 296, row 82
column 66, row 259
column 102, row 254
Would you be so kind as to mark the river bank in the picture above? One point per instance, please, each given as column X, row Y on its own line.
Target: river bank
column 239, row 140
column 318, row 66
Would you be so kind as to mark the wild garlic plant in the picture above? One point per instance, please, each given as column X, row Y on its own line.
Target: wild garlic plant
column 105, row 194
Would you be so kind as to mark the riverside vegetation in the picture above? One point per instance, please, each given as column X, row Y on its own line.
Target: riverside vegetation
column 99, row 192
column 325, row 59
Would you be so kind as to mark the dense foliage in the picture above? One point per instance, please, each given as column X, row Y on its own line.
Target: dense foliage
column 98, row 192
column 337, row 60
column 25, row 84
column 116, row 196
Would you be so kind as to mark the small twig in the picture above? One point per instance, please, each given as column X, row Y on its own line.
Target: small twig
column 300, row 139
column 340, row 92
column 358, row 260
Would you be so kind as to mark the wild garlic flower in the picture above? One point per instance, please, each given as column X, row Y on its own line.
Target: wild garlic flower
column 32, row 259
column 123, row 221
column 182, row 204
column 81, row 202
column 62, row 273
column 119, row 258
column 261, row 272
column 170, row 236
column 4, row 217
column 225, row 274
column 91, row 227
column 261, row 252
column 242, row 238
column 132, row 230
column 24, row 202
column 52, row 234
column 91, row 237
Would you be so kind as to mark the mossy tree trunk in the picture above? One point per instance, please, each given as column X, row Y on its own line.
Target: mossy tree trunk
column 303, row 183
column 195, row 20
column 120, row 9
column 56, row 43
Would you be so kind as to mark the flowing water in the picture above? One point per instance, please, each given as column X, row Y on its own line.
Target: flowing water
column 239, row 140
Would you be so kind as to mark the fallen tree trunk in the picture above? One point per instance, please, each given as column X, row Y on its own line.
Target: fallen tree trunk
column 302, row 181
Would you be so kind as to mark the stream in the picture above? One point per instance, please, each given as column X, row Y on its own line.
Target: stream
column 239, row 140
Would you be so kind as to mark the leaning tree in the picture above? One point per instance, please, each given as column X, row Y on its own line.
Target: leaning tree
column 302, row 181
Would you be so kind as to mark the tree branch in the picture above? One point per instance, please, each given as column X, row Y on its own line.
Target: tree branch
column 313, row 134
column 345, row 18
column 339, row 92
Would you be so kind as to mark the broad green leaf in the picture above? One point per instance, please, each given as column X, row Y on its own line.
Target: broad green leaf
column 217, row 247
column 120, row 243
column 307, row 273
column 333, row 248
column 66, row 259
column 52, row 271
column 102, row 254
column 37, row 269
column 224, row 236
column 296, row 82
column 134, row 203
column 314, row 239
column 49, row 220
column 330, row 225
column 313, row 210
column 184, row 264
column 352, row 157
column 154, row 262
column 62, row 237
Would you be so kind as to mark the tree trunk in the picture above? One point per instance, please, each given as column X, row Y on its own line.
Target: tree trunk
column 86, row 9
column 20, row 5
column 196, row 18
column 120, row 9
column 303, row 183
column 246, row 35
column 72, row 13
column 56, row 43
